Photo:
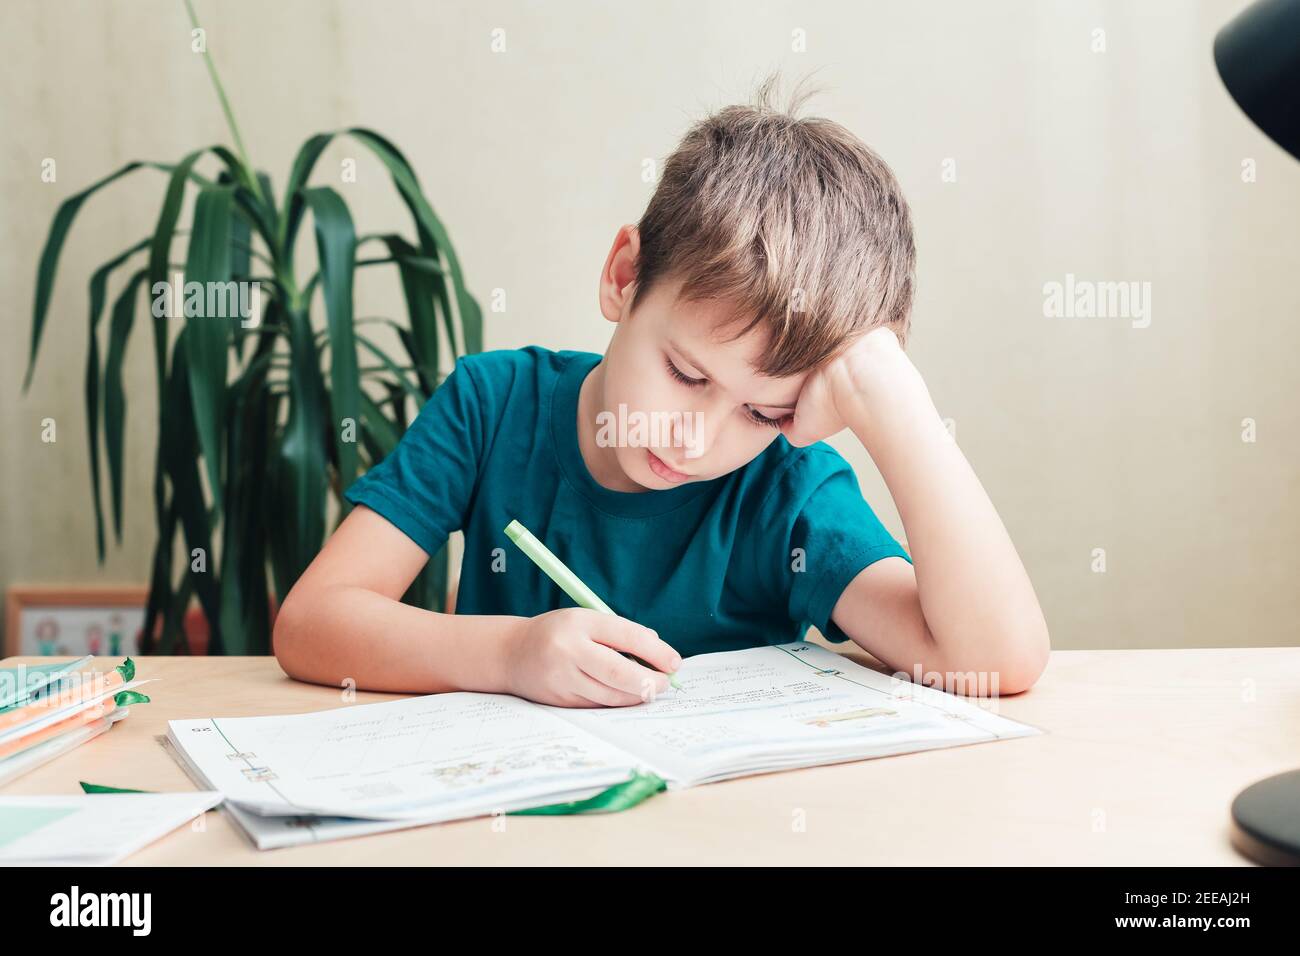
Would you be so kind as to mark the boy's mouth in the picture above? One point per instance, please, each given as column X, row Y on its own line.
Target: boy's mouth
column 663, row 470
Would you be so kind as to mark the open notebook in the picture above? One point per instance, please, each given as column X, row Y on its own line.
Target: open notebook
column 449, row 756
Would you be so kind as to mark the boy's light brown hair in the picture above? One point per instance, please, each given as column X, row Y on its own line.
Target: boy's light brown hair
column 796, row 222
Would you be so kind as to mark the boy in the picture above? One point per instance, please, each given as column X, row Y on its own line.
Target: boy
column 759, row 306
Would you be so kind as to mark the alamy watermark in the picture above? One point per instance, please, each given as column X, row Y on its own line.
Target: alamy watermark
column 639, row 429
column 982, row 686
column 75, row 908
column 214, row 300
column 1086, row 299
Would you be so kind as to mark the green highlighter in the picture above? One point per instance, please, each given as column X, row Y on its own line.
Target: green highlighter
column 557, row 571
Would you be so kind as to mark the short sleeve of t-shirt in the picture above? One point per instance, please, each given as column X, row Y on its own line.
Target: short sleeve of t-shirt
column 426, row 484
column 829, row 534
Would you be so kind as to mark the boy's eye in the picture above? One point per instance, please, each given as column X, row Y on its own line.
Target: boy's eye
column 760, row 419
column 682, row 376
column 754, row 416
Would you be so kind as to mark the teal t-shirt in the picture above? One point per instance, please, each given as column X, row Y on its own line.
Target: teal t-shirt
column 748, row 559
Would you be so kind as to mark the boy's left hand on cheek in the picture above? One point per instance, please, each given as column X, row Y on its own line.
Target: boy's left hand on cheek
column 839, row 394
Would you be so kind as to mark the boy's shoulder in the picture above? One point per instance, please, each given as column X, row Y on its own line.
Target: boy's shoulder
column 784, row 476
column 505, row 368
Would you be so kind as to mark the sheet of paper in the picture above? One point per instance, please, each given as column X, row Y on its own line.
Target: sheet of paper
column 442, row 756
column 91, row 829
column 783, row 706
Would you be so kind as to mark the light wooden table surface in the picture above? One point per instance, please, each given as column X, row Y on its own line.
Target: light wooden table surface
column 1142, row 754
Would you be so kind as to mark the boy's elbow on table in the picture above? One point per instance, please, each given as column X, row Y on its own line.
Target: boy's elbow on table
column 288, row 637
column 1009, row 662
column 1025, row 661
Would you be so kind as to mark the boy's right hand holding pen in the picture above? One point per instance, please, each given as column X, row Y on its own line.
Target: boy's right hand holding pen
column 584, row 656
column 574, row 657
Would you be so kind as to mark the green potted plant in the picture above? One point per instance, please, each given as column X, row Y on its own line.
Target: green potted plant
column 276, row 415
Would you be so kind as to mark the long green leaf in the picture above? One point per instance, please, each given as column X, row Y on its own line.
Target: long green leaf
column 303, row 164
column 241, row 260
column 299, row 464
column 178, row 443
column 159, row 253
column 433, row 235
column 245, row 613
column 114, row 396
column 207, row 336
column 49, row 261
column 47, row 267
column 418, row 286
column 98, row 292
column 336, row 242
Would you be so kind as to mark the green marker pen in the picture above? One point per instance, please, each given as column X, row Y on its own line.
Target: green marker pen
column 569, row 583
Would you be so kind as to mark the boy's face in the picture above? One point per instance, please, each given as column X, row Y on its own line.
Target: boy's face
column 680, row 402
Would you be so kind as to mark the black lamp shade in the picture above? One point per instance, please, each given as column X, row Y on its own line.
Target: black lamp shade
column 1258, row 56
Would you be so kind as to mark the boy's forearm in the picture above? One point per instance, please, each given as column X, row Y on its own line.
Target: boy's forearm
column 974, row 591
column 344, row 634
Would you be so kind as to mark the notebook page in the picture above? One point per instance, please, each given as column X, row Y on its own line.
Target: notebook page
column 789, row 705
column 442, row 756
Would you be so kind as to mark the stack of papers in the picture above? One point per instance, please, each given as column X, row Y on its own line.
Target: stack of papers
column 94, row 830
column 48, row 709
column 373, row 767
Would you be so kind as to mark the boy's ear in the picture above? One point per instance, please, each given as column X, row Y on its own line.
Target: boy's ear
column 618, row 278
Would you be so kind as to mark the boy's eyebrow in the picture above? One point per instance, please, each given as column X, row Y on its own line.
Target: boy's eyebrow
column 690, row 358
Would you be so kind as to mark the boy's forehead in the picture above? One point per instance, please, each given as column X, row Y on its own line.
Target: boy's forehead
column 707, row 336
column 713, row 328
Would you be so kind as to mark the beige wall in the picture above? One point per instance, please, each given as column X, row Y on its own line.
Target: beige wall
column 1122, row 165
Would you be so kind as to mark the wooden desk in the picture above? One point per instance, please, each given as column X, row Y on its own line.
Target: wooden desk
column 1142, row 756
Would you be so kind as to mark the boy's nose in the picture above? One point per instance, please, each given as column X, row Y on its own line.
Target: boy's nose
column 698, row 429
